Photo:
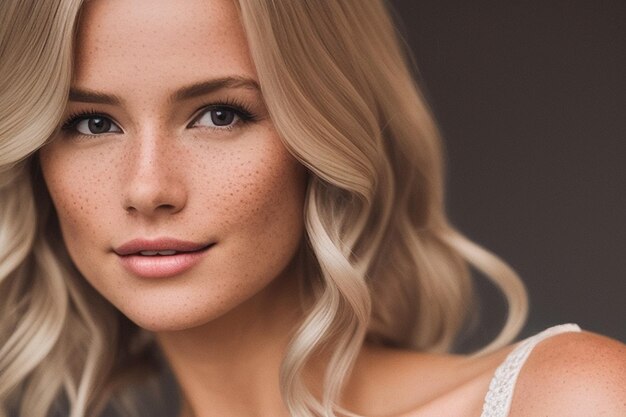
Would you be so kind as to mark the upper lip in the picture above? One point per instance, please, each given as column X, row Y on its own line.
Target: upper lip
column 164, row 243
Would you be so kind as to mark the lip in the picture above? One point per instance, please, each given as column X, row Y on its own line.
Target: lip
column 165, row 243
column 160, row 266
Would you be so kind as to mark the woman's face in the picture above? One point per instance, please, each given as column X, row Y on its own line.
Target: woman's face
column 157, row 145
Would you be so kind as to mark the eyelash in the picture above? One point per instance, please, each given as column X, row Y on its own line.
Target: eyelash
column 241, row 109
column 244, row 113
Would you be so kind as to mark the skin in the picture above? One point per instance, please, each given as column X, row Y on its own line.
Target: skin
column 163, row 169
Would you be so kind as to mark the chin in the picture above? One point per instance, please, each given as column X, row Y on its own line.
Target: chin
column 169, row 316
column 168, row 323
column 165, row 324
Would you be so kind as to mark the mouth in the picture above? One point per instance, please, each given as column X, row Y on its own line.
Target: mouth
column 167, row 252
column 162, row 263
column 165, row 246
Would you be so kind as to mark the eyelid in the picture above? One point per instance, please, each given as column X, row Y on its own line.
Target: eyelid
column 243, row 112
column 74, row 118
column 206, row 109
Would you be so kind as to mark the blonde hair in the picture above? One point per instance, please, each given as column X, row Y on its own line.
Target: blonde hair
column 382, row 262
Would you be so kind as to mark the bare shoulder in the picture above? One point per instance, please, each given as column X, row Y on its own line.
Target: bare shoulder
column 402, row 383
column 573, row 374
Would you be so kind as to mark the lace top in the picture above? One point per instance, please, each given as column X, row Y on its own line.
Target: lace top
column 498, row 399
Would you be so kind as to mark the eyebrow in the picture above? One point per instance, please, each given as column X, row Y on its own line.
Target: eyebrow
column 206, row 87
column 185, row 93
column 90, row 96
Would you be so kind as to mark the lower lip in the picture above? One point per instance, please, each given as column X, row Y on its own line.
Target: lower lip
column 162, row 266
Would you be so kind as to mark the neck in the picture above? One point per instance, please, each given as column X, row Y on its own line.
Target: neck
column 230, row 365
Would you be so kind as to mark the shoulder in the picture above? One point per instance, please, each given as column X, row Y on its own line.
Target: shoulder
column 403, row 383
column 573, row 374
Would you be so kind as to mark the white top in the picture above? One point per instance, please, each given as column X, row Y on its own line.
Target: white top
column 498, row 398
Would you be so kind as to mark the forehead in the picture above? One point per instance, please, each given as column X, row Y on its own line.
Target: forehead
column 143, row 42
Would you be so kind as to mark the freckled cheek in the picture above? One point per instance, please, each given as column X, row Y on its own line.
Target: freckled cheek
column 263, row 196
column 79, row 193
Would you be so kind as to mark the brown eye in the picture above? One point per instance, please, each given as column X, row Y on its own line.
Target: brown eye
column 217, row 117
column 96, row 125
column 222, row 117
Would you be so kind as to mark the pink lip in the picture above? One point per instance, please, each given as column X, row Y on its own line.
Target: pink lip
column 164, row 243
column 160, row 266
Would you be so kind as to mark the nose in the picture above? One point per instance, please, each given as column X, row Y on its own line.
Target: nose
column 154, row 183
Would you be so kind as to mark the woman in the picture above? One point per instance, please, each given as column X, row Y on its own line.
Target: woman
column 252, row 189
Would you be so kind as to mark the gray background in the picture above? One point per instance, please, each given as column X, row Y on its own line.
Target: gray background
column 531, row 99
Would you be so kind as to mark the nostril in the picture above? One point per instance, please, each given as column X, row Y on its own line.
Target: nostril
column 165, row 195
column 166, row 206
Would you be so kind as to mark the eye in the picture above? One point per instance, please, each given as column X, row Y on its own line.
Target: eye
column 222, row 117
column 96, row 125
column 91, row 124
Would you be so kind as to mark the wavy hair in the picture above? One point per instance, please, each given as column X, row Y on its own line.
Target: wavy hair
column 382, row 262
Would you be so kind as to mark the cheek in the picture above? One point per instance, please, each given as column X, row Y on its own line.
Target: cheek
column 77, row 188
column 261, row 200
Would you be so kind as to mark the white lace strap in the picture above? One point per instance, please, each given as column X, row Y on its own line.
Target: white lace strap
column 498, row 399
